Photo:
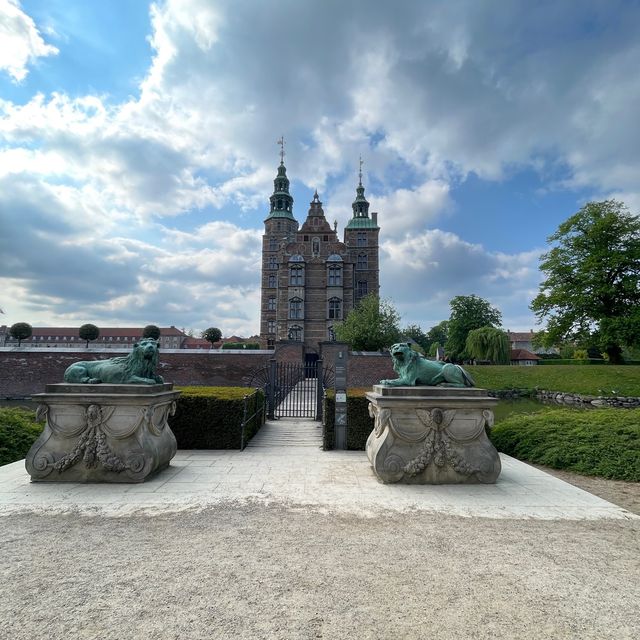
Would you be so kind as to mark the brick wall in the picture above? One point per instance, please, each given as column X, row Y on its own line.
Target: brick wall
column 367, row 369
column 27, row 371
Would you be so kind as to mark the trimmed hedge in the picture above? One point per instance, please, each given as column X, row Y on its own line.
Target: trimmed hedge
column 578, row 363
column 211, row 417
column 240, row 345
column 18, row 431
column 602, row 442
column 359, row 423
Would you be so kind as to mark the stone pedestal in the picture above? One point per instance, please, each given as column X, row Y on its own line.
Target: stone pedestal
column 102, row 432
column 432, row 435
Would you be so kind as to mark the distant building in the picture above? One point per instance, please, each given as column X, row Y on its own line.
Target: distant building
column 523, row 357
column 116, row 338
column 524, row 340
column 311, row 279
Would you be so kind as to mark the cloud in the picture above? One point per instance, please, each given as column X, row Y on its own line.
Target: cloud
column 22, row 43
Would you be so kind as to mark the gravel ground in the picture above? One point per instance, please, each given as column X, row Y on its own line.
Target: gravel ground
column 255, row 570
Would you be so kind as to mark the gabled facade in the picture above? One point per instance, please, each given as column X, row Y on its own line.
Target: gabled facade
column 310, row 278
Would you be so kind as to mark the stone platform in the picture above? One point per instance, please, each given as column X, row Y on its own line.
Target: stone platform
column 432, row 435
column 102, row 432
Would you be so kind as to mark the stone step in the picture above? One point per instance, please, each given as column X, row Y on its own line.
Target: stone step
column 291, row 432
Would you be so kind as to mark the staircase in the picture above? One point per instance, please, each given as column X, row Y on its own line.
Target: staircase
column 288, row 432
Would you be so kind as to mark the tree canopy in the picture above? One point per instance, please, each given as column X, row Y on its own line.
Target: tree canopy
column 151, row 331
column 489, row 343
column 20, row 331
column 468, row 313
column 592, row 286
column 212, row 334
column 414, row 332
column 374, row 324
column 88, row 332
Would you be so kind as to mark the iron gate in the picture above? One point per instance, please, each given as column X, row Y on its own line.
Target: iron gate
column 294, row 390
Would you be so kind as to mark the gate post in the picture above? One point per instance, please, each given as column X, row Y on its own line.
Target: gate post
column 319, row 389
column 271, row 386
column 341, row 400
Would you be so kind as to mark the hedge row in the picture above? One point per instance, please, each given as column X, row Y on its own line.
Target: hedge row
column 359, row 423
column 602, row 442
column 211, row 417
column 578, row 363
column 18, row 431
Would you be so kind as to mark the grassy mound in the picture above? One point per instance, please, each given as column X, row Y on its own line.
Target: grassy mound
column 18, row 431
column 602, row 442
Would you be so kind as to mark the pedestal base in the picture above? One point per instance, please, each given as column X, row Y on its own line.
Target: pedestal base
column 102, row 432
column 432, row 435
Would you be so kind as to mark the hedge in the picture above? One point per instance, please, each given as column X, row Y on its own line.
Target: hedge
column 18, row 431
column 601, row 442
column 359, row 423
column 211, row 417
column 579, row 363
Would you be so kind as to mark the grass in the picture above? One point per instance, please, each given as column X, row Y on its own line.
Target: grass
column 601, row 442
column 18, row 431
column 605, row 380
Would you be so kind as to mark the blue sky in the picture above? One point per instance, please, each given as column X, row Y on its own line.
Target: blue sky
column 138, row 146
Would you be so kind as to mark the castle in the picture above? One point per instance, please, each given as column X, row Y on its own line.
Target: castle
column 310, row 279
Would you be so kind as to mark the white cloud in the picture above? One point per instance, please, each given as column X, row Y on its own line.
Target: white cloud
column 21, row 41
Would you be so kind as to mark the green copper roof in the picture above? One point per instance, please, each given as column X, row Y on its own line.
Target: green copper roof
column 361, row 223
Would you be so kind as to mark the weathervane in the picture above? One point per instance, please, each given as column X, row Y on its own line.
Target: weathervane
column 282, row 154
column 360, row 172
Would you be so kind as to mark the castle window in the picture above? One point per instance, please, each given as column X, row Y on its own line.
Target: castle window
column 273, row 263
column 335, row 276
column 270, row 343
column 362, row 239
column 271, row 304
column 296, row 276
column 363, row 288
column 273, row 244
column 272, row 280
column 335, row 309
column 295, row 333
column 271, row 326
column 295, row 309
column 363, row 261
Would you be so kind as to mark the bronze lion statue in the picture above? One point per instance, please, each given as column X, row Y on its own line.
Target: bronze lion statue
column 136, row 368
column 414, row 369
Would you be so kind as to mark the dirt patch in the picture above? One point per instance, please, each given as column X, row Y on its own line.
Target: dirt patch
column 624, row 494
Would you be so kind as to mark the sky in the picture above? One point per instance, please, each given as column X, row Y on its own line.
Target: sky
column 138, row 146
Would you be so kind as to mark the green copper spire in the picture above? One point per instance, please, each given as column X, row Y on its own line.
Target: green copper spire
column 360, row 206
column 281, row 200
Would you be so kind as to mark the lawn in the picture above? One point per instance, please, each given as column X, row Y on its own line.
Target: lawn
column 601, row 380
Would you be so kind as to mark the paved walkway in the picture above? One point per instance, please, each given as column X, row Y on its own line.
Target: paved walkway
column 287, row 466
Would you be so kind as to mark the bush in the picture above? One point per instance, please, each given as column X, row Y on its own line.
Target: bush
column 601, row 442
column 18, row 431
column 576, row 361
column 211, row 417
column 359, row 423
column 240, row 345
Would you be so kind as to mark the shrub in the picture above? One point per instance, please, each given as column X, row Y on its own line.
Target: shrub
column 601, row 442
column 240, row 345
column 18, row 431
column 211, row 417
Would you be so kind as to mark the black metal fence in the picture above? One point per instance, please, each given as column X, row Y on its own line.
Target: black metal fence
column 258, row 402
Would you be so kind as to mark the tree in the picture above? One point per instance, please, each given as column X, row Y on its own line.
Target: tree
column 592, row 285
column 21, row 331
column 468, row 313
column 414, row 332
column 212, row 334
column 439, row 333
column 489, row 343
column 374, row 324
column 88, row 332
column 151, row 331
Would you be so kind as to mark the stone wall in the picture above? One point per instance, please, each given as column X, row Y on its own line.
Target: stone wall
column 27, row 371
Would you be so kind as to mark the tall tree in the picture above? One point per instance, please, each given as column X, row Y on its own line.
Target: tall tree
column 439, row 333
column 489, row 343
column 212, row 334
column 88, row 332
column 374, row 324
column 592, row 285
column 20, row 331
column 414, row 332
column 468, row 313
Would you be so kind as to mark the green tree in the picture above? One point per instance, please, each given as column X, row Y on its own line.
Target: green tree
column 88, row 332
column 592, row 285
column 151, row 331
column 414, row 332
column 20, row 331
column 212, row 334
column 439, row 333
column 468, row 313
column 489, row 343
column 374, row 324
